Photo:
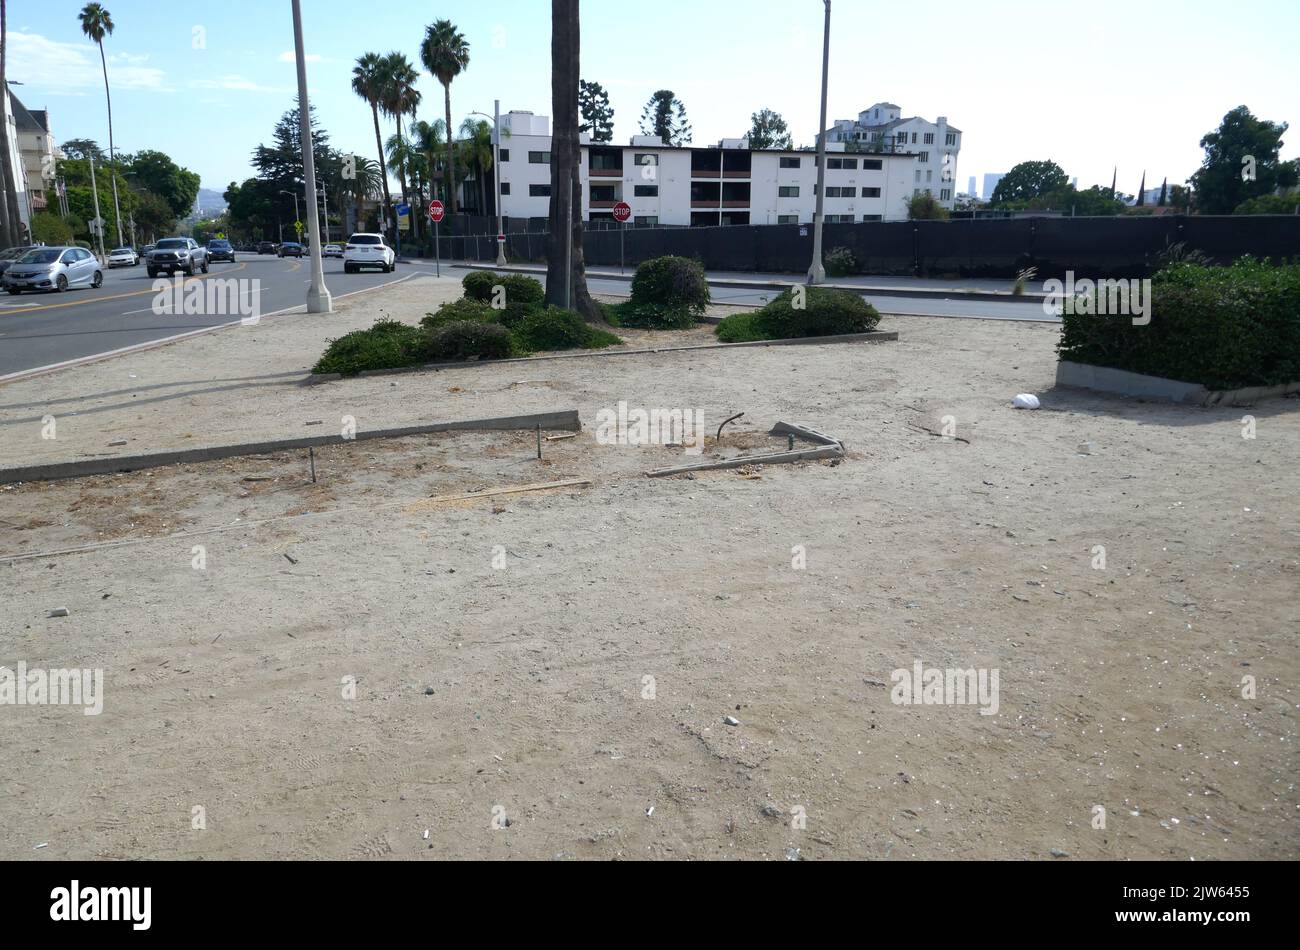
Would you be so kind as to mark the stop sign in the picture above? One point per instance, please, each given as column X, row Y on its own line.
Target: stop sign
column 436, row 211
column 622, row 211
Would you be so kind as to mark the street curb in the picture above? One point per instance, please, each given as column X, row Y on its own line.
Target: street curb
column 920, row 293
column 875, row 336
column 1122, row 382
column 566, row 419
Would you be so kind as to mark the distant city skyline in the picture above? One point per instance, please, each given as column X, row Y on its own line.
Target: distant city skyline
column 207, row 90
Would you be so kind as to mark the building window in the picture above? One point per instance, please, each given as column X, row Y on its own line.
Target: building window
column 945, row 194
column 790, row 161
column 915, row 192
column 539, row 158
column 839, row 219
column 918, row 174
column 872, row 217
column 870, row 192
column 929, row 175
column 923, row 157
column 841, row 163
column 539, row 191
column 787, row 219
column 603, row 193
column 913, row 138
column 646, row 191
column 505, row 188
column 645, row 158
column 872, row 164
column 929, row 138
column 787, row 191
column 505, row 155
column 951, row 139
column 649, row 220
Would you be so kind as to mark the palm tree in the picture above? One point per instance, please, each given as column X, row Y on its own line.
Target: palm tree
column 97, row 23
column 565, row 156
column 9, row 220
column 400, row 98
column 445, row 53
column 427, row 139
column 368, row 83
column 366, row 183
column 476, row 147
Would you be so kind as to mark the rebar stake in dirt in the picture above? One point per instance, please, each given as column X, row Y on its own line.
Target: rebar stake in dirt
column 539, row 443
column 311, row 457
column 724, row 423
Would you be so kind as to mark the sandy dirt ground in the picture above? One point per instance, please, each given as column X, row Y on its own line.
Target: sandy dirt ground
column 349, row 669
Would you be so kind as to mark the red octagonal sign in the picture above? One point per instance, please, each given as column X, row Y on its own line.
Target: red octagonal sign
column 436, row 210
column 622, row 211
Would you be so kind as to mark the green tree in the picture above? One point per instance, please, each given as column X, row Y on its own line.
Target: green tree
column 156, row 172
column 476, row 149
column 665, row 116
column 1241, row 162
column 597, row 113
column 399, row 100
column 924, row 207
column 429, row 139
column 368, row 83
column 445, row 53
column 768, row 130
column 1269, row 204
column 1027, row 181
column 83, row 148
column 49, row 228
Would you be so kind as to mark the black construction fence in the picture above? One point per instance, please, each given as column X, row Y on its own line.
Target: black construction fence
column 1122, row 246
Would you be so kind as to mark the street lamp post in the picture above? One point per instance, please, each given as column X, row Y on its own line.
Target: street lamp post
column 817, row 272
column 318, row 295
column 496, row 174
column 294, row 196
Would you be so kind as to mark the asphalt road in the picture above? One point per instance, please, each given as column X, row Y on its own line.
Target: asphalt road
column 38, row 330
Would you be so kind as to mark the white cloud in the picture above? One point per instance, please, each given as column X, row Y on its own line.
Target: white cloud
column 236, row 83
column 69, row 68
column 288, row 57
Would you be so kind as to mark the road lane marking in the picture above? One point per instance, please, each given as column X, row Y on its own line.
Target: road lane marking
column 134, row 293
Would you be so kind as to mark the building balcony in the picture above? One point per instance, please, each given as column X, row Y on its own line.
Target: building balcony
column 742, row 203
column 598, row 205
column 737, row 173
column 705, row 173
column 605, row 173
column 705, row 203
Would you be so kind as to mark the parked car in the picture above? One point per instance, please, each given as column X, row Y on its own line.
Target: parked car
column 266, row 247
column 177, row 254
column 220, row 250
column 290, row 249
column 123, row 257
column 53, row 268
column 144, row 251
column 331, row 250
column 11, row 254
column 368, row 250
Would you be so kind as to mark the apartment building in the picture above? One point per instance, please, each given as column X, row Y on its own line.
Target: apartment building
column 703, row 187
column 883, row 128
column 11, row 107
column 39, row 153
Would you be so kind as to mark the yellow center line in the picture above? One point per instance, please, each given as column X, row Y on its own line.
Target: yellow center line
column 134, row 293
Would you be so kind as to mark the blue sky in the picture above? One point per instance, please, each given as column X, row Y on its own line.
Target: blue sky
column 1089, row 85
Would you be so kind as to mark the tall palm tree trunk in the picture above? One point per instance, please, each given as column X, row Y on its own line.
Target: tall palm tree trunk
column 112, row 153
column 565, row 156
column 451, row 153
column 383, row 173
column 9, row 217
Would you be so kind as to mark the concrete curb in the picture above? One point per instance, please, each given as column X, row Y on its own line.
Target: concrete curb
column 827, row 447
column 875, row 336
column 879, row 291
column 1122, row 382
column 566, row 419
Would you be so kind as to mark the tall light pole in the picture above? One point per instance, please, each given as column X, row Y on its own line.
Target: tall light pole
column 294, row 196
column 817, row 272
column 496, row 175
column 318, row 295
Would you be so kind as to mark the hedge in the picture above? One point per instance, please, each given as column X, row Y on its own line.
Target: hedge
column 668, row 293
column 824, row 313
column 1221, row 327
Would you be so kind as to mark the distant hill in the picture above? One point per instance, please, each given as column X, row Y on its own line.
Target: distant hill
column 210, row 203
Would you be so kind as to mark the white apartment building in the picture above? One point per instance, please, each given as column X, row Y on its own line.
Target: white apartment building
column 936, row 144
column 702, row 187
column 39, row 153
column 11, row 105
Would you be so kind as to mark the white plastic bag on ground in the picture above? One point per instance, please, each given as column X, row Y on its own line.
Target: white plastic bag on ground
column 1025, row 401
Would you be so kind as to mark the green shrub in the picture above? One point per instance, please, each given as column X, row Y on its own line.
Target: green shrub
column 840, row 262
column 554, row 328
column 675, row 284
column 1222, row 327
column 654, row 316
column 825, row 313
column 520, row 291
column 457, row 311
column 386, row 345
column 466, row 339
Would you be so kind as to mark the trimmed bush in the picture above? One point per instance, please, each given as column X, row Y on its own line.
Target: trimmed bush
column 1222, row 327
column 554, row 328
column 386, row 345
column 840, row 262
column 467, row 339
column 520, row 291
column 666, row 288
column 825, row 313
column 651, row 316
column 458, row 311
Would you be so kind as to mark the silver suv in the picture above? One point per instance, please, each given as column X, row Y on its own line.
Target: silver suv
column 177, row 254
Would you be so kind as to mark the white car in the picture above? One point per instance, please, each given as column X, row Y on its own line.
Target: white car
column 368, row 250
column 331, row 250
column 123, row 257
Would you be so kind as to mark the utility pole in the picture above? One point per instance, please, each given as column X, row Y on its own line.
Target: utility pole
column 318, row 296
column 94, row 190
column 496, row 175
column 817, row 272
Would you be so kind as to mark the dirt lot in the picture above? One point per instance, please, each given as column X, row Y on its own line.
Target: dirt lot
column 585, row 682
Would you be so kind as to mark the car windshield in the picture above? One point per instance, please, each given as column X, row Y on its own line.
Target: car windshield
column 218, row 244
column 41, row 255
column 364, row 239
column 172, row 243
column 123, row 250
